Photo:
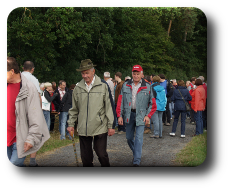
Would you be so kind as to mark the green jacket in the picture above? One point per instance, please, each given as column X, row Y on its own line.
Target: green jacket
column 93, row 109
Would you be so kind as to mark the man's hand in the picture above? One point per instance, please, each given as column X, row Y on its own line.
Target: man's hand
column 70, row 130
column 27, row 146
column 111, row 132
column 120, row 121
column 146, row 120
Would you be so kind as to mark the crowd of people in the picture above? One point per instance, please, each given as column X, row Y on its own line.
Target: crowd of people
column 96, row 107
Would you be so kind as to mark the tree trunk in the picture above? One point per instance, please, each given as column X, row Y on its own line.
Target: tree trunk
column 185, row 35
column 170, row 23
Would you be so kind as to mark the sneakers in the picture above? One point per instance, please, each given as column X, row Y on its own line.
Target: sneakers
column 172, row 134
column 147, row 131
column 167, row 124
column 120, row 132
column 154, row 136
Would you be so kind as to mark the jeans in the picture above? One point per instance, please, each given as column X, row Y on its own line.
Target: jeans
column 157, row 123
column 13, row 156
column 62, row 123
column 166, row 114
column 183, row 118
column 135, row 144
column 47, row 118
column 199, row 122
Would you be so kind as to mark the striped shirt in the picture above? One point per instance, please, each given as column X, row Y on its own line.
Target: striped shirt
column 134, row 93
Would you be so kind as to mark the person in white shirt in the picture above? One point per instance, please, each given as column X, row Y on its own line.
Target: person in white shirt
column 109, row 82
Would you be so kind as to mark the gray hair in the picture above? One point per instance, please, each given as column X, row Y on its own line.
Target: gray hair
column 201, row 78
column 107, row 74
column 141, row 72
column 42, row 85
column 128, row 77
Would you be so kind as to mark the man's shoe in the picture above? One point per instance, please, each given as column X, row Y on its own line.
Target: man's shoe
column 135, row 165
column 120, row 132
column 167, row 124
column 147, row 131
column 182, row 136
column 154, row 136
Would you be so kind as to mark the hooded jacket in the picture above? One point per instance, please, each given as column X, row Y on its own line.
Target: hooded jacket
column 145, row 102
column 159, row 94
column 94, row 110
column 31, row 126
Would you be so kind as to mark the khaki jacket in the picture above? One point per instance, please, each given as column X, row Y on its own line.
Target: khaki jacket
column 31, row 126
column 92, row 109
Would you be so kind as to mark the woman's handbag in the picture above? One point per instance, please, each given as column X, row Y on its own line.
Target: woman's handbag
column 45, row 103
column 188, row 108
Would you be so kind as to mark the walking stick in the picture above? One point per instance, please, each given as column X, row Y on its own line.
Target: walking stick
column 74, row 147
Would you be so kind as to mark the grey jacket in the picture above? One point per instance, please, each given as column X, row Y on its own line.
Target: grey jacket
column 145, row 102
column 31, row 126
column 93, row 109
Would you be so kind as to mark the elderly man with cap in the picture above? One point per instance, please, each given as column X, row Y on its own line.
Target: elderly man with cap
column 136, row 101
column 93, row 107
column 46, row 102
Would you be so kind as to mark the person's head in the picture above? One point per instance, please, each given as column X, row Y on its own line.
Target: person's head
column 12, row 69
column 28, row 66
column 174, row 82
column 151, row 77
column 48, row 86
column 198, row 82
column 42, row 86
column 127, row 78
column 118, row 76
column 114, row 82
column 137, row 73
column 106, row 75
column 181, row 83
column 147, row 77
column 87, row 70
column 72, row 86
column 156, row 79
column 187, row 83
column 88, row 75
column 162, row 77
column 202, row 78
column 193, row 80
column 62, row 85
column 53, row 83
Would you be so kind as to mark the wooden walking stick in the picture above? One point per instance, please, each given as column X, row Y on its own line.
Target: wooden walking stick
column 74, row 147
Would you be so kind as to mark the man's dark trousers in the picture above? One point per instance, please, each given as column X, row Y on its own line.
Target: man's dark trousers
column 99, row 145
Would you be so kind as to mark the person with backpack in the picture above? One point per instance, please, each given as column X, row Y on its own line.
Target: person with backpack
column 161, row 101
column 179, row 97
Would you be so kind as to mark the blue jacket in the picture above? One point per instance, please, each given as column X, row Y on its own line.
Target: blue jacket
column 159, row 94
column 177, row 99
column 145, row 102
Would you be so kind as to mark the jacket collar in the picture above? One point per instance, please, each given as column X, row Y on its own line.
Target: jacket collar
column 143, row 82
column 23, row 93
column 97, row 81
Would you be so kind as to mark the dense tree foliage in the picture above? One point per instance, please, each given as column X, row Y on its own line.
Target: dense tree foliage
column 172, row 41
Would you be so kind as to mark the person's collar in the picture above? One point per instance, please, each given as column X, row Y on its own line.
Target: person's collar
column 91, row 82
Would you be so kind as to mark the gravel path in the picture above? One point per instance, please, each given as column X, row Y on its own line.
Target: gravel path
column 155, row 152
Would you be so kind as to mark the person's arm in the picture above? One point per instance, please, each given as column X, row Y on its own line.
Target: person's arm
column 47, row 96
column 73, row 112
column 152, row 106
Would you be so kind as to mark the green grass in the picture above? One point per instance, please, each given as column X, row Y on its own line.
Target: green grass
column 194, row 152
column 54, row 141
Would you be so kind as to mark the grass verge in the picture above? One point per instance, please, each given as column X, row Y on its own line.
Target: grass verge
column 54, row 141
column 194, row 152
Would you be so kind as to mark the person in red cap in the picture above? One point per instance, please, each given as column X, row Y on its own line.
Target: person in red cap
column 137, row 103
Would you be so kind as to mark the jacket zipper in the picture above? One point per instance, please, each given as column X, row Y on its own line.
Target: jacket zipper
column 87, row 113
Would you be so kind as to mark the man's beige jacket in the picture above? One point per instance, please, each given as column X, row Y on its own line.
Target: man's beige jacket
column 31, row 126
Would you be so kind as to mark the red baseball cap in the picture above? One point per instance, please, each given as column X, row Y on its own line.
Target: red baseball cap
column 137, row 68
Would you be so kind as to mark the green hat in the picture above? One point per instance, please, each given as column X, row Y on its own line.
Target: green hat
column 86, row 65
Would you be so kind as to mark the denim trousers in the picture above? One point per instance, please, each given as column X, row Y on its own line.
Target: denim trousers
column 135, row 144
column 62, row 124
column 157, row 123
column 199, row 122
column 13, row 156
column 47, row 118
column 176, row 119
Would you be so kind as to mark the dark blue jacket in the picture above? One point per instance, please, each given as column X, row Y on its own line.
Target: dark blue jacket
column 177, row 99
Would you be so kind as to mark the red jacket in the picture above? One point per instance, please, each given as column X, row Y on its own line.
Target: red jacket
column 198, row 99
